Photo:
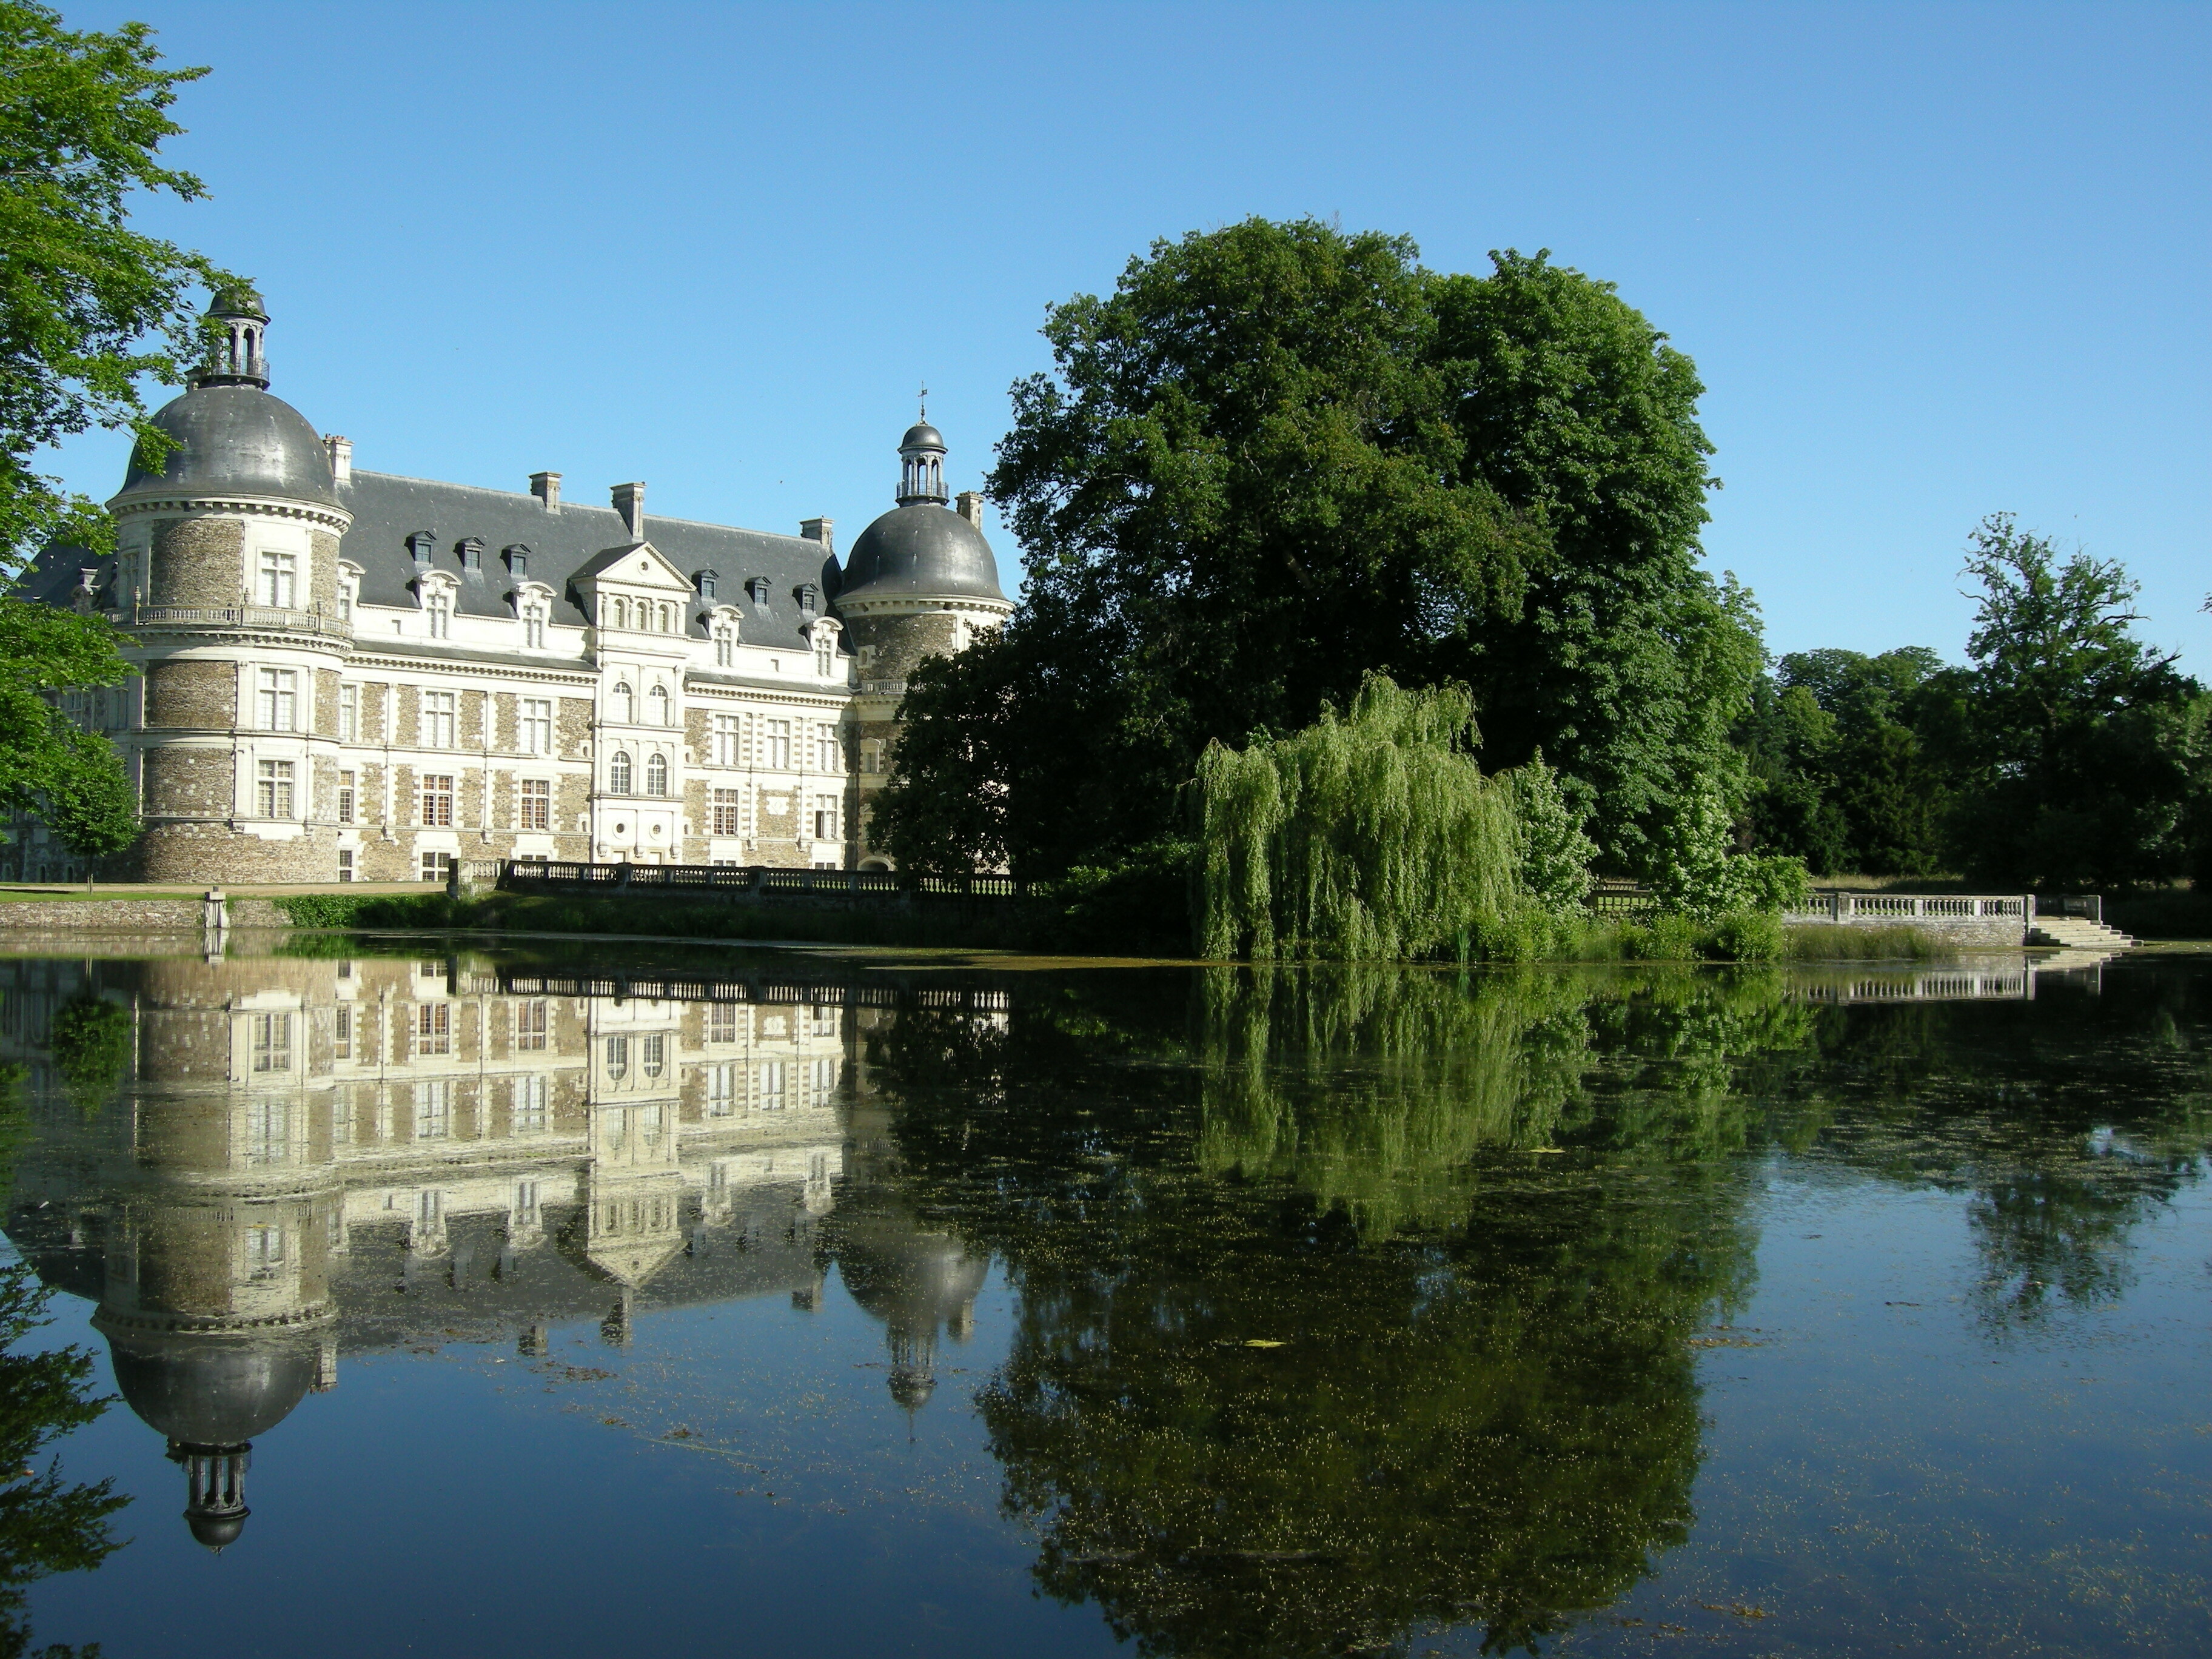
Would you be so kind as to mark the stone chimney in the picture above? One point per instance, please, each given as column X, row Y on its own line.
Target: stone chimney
column 822, row 530
column 341, row 457
column 546, row 486
column 969, row 504
column 629, row 501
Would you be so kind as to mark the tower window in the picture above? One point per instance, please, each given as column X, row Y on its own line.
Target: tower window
column 274, row 789
column 277, row 699
column 280, row 575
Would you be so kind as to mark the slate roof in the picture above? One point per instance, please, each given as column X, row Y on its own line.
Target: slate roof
column 387, row 509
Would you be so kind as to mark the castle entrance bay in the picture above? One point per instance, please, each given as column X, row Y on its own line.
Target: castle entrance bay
column 588, row 1298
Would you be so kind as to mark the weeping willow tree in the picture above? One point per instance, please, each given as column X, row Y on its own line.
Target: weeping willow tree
column 1371, row 835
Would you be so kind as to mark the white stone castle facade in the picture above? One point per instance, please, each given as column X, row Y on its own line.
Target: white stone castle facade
column 348, row 675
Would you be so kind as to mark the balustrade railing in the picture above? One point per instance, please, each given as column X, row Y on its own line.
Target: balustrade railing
column 266, row 618
column 1850, row 907
column 756, row 880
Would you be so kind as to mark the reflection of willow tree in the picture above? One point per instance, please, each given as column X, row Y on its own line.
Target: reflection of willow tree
column 1483, row 1406
column 2065, row 1121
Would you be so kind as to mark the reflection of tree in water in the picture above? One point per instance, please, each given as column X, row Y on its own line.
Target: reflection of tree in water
column 1483, row 1405
column 47, row 1525
column 2066, row 1122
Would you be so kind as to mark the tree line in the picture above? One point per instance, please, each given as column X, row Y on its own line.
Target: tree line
column 1280, row 459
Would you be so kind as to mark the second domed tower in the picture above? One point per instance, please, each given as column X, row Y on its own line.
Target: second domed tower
column 921, row 581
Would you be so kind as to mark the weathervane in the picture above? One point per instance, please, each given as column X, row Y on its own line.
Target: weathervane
column 922, row 397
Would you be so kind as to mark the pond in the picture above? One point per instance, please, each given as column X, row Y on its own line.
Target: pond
column 815, row 1303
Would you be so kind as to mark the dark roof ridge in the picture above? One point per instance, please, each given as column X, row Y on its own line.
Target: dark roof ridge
column 567, row 506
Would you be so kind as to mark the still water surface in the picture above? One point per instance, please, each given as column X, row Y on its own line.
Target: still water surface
column 802, row 1302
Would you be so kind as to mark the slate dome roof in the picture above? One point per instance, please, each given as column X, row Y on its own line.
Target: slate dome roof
column 923, row 550
column 210, row 1391
column 922, row 435
column 236, row 440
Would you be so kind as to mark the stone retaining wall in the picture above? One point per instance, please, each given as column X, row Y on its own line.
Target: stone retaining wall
column 147, row 915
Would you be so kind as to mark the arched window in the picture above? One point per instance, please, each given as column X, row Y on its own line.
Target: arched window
column 618, row 773
column 656, row 775
column 622, row 613
column 656, row 705
column 668, row 619
column 621, row 707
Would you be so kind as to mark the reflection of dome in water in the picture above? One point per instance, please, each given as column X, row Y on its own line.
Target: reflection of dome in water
column 914, row 1282
column 211, row 1396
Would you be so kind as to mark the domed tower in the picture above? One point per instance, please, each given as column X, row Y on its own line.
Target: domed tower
column 227, row 574
column 921, row 581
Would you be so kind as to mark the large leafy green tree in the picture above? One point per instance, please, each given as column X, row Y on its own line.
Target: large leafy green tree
column 1626, row 664
column 88, row 307
column 49, row 764
column 1278, row 458
column 2075, row 741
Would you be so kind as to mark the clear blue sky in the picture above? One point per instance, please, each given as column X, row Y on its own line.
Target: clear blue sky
column 1932, row 261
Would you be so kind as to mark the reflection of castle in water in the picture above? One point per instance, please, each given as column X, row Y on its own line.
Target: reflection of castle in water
column 298, row 1140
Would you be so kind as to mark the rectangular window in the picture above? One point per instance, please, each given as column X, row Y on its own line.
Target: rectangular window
column 265, row 1249
column 280, row 575
column 725, row 648
column 721, row 1021
column 653, row 1050
column 771, row 1098
column 821, row 1083
column 434, row 1111
column 437, row 801
column 871, row 755
column 725, row 813
column 829, row 752
column 825, row 660
column 536, row 804
column 526, row 1201
column 721, row 1090
column 530, row 1023
column 728, row 737
column 345, row 797
column 272, row 1042
column 434, row 1028
column 349, row 713
column 777, row 744
column 276, row 699
column 530, row 1103
column 341, row 1033
column 537, row 726
column 825, row 818
column 617, row 1058
column 437, row 866
column 345, row 864
column 533, row 630
column 274, row 789
column 440, row 613
column 437, row 719
column 268, row 1132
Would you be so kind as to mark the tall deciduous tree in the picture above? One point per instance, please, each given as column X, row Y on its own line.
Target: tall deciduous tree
column 1278, row 457
column 2075, row 740
column 88, row 306
column 48, row 764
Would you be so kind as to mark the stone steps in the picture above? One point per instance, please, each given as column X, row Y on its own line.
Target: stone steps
column 2077, row 933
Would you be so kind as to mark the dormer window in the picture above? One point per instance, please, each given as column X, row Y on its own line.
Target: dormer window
column 705, row 581
column 808, row 595
column 471, row 551
column 756, row 590
column 725, row 645
column 421, row 544
column 517, row 556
